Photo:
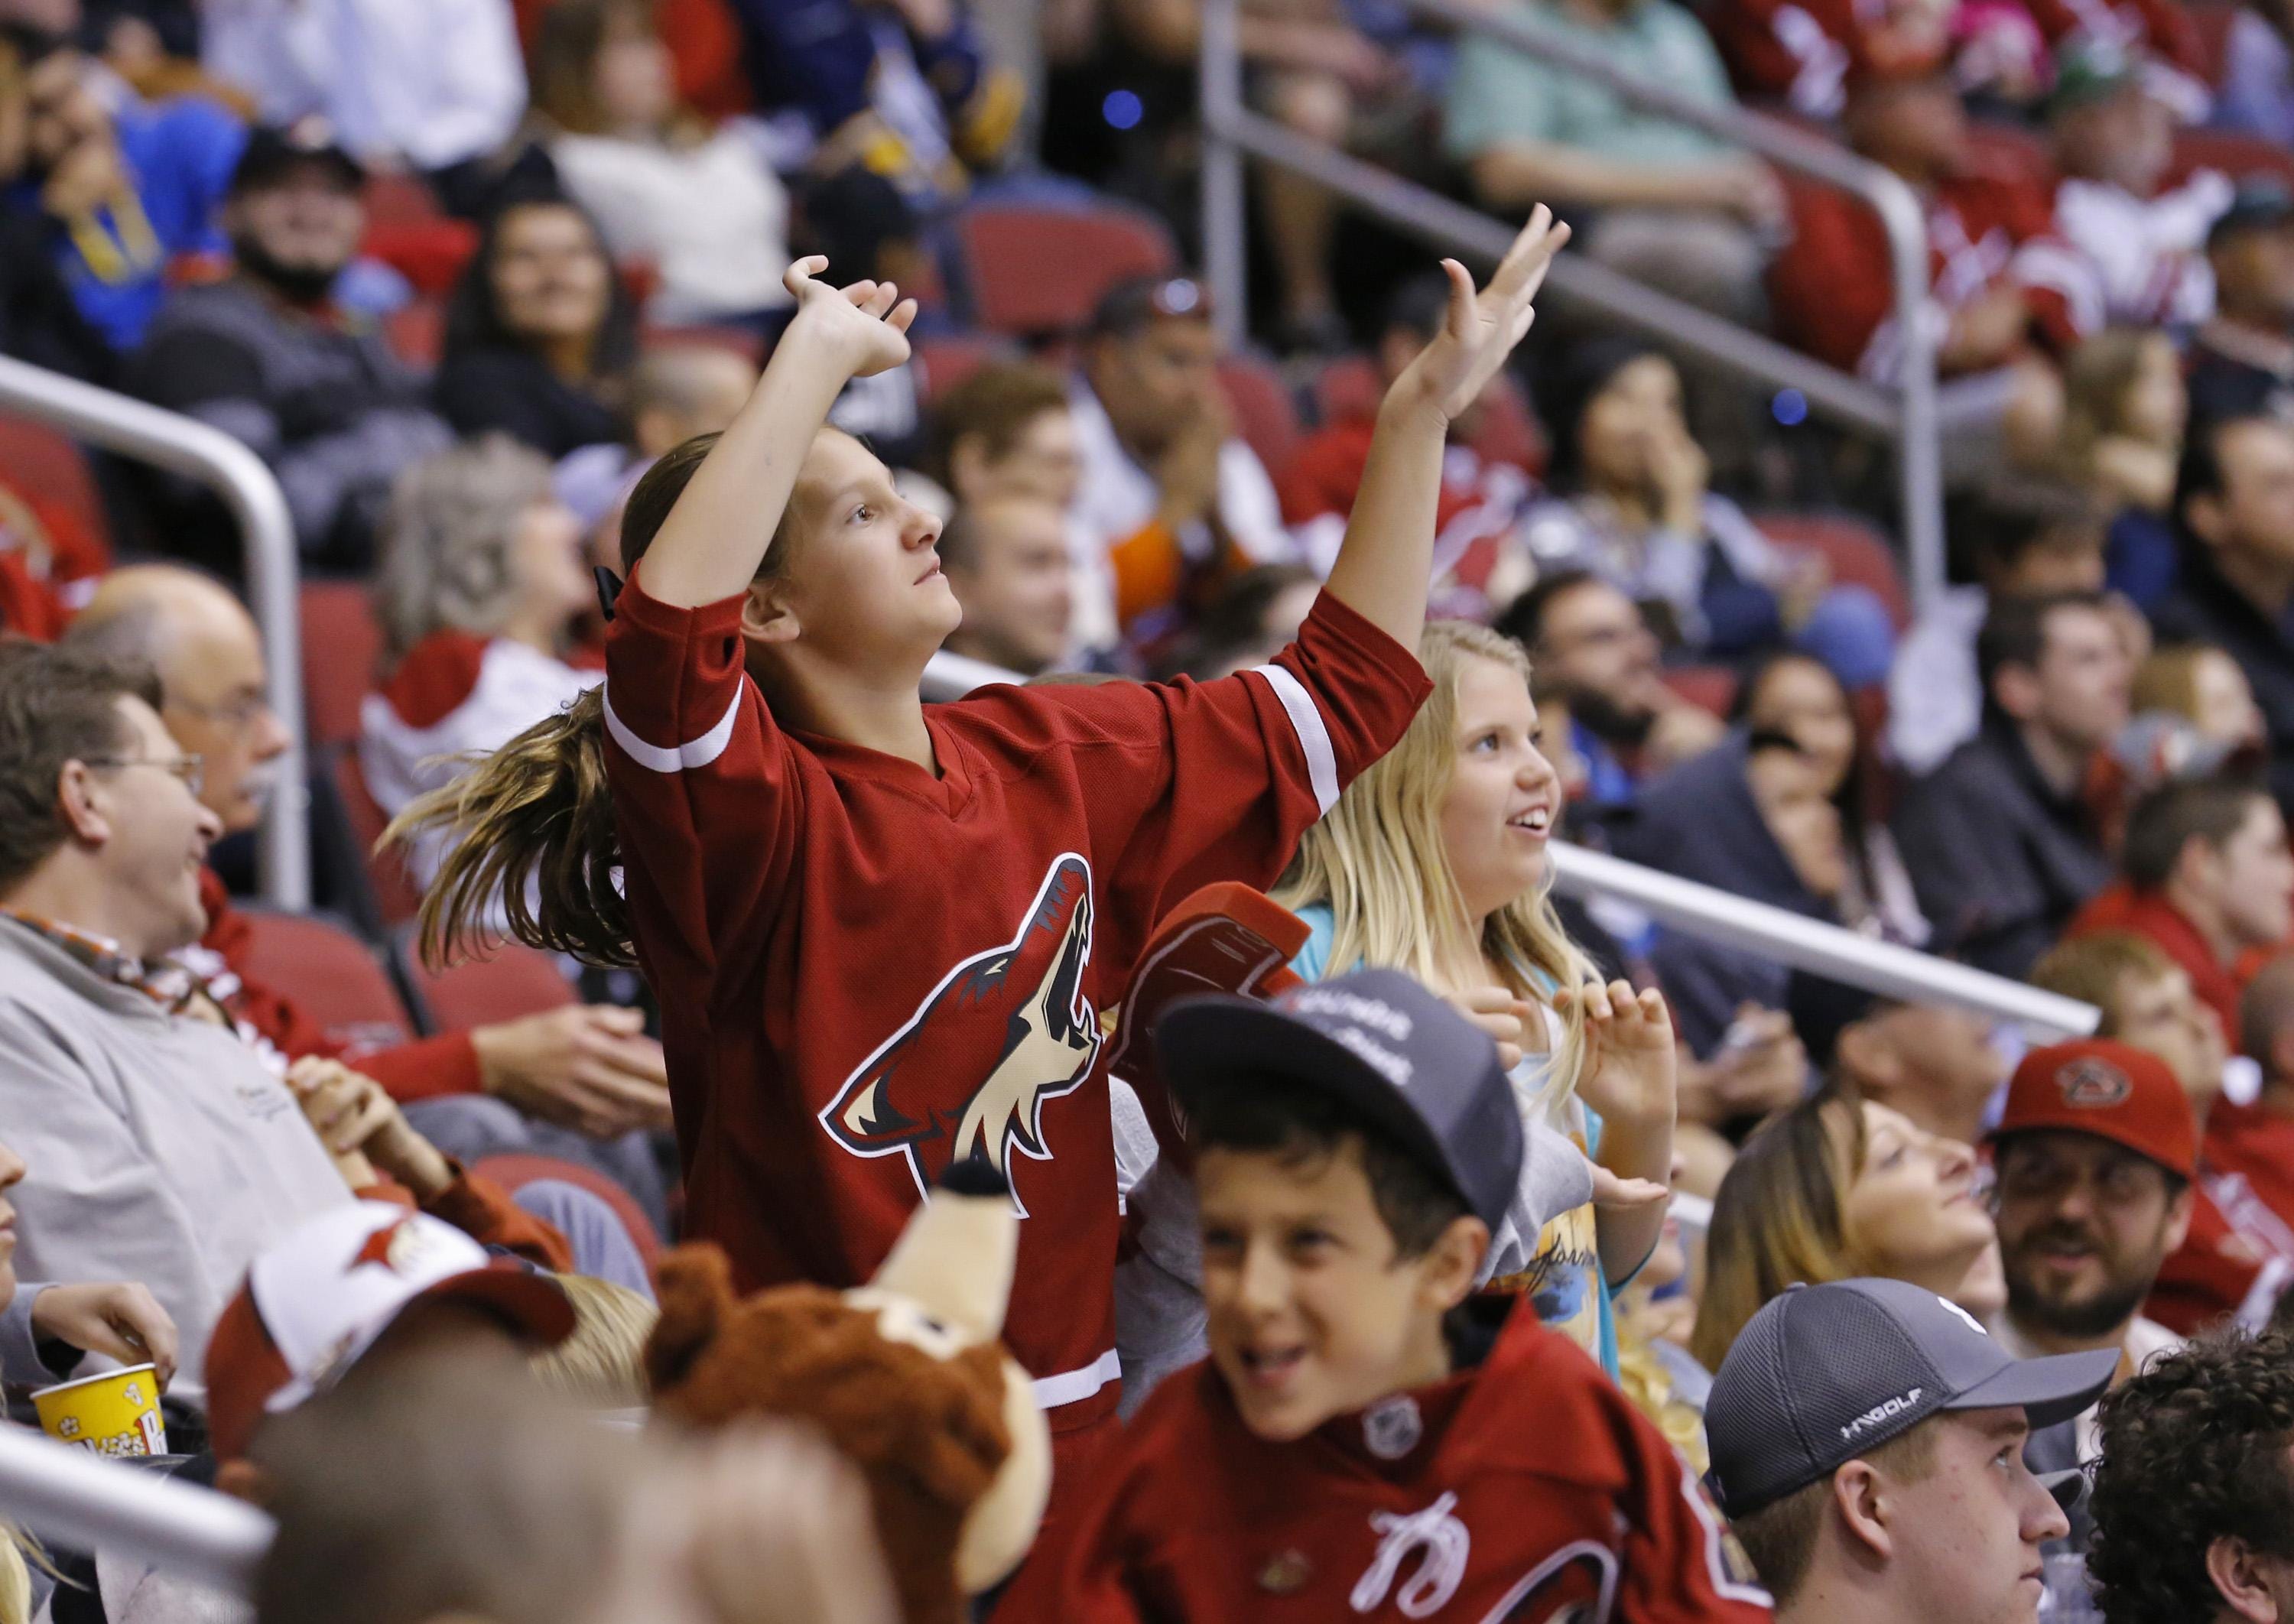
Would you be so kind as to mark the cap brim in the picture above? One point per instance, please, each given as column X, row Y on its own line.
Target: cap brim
column 2048, row 1390
column 2068, row 1486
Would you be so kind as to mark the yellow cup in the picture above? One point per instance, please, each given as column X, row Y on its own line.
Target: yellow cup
column 116, row 1413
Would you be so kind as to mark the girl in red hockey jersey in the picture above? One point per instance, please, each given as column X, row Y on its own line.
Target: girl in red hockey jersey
column 881, row 933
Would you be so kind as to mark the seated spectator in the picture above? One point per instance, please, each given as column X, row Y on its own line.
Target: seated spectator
column 2093, row 1159
column 2249, row 1148
column 1330, row 1373
column 2114, row 143
column 1837, row 1187
column 1866, row 1447
column 1253, row 618
column 700, row 205
column 267, row 357
column 1800, row 54
column 1007, row 431
column 2021, row 538
column 2003, row 283
column 681, row 390
column 1668, row 205
column 1783, row 813
column 2206, row 875
column 1479, row 561
column 1008, row 563
column 1937, row 1066
column 162, row 1144
column 2241, row 362
column 45, row 1329
column 540, row 334
column 121, row 188
column 1173, row 500
column 2125, row 408
column 1611, row 723
column 371, row 68
column 2201, row 689
column 1636, row 507
column 2234, row 512
column 2257, row 94
column 2194, row 1500
column 575, row 1083
column 482, row 577
column 2001, row 844
column 2157, row 34
column 2238, row 1258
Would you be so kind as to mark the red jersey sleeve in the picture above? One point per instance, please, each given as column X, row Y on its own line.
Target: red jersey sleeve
column 706, row 794
column 1680, row 1563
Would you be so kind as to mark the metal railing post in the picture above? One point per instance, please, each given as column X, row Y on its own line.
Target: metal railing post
column 1226, row 228
column 181, row 445
column 79, row 1502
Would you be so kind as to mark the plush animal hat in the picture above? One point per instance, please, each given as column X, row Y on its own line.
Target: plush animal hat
column 905, row 1375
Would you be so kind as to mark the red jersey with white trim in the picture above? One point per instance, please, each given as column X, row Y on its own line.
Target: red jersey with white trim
column 1525, row 1488
column 867, row 971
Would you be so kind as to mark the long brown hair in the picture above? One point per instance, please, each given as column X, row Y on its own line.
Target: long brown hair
column 529, row 830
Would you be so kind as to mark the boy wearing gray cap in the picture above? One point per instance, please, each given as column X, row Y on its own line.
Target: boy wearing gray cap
column 1866, row 1439
column 1368, row 1440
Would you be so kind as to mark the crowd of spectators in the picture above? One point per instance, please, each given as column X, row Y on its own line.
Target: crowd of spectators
column 489, row 286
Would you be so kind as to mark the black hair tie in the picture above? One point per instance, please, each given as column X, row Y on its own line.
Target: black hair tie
column 609, row 590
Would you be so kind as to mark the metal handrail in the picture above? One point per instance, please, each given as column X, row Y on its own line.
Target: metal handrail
column 1907, row 413
column 168, row 440
column 1711, row 914
column 79, row 1502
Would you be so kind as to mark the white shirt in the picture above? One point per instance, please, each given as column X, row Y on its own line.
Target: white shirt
column 1935, row 696
column 712, row 218
column 433, row 82
column 2151, row 253
column 2146, row 1340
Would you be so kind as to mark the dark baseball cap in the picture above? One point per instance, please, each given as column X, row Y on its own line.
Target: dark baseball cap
column 2090, row 71
column 1825, row 1374
column 1426, row 1076
column 272, row 153
column 1131, row 304
column 2261, row 203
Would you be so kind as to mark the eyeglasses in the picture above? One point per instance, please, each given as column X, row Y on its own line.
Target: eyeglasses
column 238, row 715
column 192, row 770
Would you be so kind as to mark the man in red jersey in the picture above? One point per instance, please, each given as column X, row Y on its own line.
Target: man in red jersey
column 1367, row 1439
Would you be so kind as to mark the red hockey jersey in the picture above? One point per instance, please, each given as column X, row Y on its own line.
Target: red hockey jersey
column 867, row 973
column 1525, row 1488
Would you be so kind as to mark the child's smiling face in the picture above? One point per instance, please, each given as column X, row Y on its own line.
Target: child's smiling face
column 1313, row 1313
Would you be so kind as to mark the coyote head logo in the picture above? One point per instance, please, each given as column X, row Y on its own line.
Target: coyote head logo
column 1005, row 1030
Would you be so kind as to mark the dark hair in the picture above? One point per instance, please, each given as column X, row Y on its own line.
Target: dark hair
column 1524, row 618
column 2000, row 522
column 1299, row 1124
column 531, row 827
column 2199, row 472
column 2015, row 631
column 56, row 705
column 994, row 405
column 1567, row 392
column 1857, row 799
column 474, row 320
column 2170, row 817
column 1420, row 306
column 1236, row 619
column 2194, row 1449
column 571, row 36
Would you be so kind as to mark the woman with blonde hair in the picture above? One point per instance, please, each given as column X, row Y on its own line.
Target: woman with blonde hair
column 1836, row 1189
column 1435, row 862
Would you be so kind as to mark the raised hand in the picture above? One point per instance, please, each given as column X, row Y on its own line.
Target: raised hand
column 1629, row 1071
column 1481, row 329
column 865, row 326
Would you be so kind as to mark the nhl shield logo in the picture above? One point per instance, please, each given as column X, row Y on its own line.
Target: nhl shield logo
column 1392, row 1427
column 2090, row 1084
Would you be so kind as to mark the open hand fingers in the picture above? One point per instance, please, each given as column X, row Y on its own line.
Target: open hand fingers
column 1523, row 269
column 798, row 278
column 902, row 315
column 1462, row 310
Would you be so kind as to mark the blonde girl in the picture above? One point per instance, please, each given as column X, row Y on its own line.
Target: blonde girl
column 880, row 935
column 1434, row 861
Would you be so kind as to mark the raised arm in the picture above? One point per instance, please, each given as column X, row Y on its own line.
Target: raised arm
column 1384, row 564
column 714, row 540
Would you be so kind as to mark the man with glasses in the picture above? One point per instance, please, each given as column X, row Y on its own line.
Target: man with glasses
column 165, row 1146
column 2094, row 1156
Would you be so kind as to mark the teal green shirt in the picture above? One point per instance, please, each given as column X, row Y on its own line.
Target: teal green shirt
column 1498, row 95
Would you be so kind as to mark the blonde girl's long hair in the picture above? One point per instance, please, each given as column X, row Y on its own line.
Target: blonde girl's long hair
column 1377, row 861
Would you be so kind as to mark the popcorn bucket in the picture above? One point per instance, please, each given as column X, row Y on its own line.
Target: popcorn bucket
column 116, row 1413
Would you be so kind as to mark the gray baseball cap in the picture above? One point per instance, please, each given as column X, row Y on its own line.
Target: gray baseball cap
column 1379, row 1040
column 1825, row 1374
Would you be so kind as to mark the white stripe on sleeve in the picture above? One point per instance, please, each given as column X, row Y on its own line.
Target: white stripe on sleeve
column 1073, row 1386
column 701, row 753
column 1313, row 737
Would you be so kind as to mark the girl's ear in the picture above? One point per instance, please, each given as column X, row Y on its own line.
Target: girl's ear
column 766, row 616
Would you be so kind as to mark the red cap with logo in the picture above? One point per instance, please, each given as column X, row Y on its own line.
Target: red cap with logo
column 2110, row 1090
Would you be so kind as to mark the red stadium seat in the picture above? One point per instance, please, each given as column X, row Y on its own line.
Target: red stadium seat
column 514, row 1171
column 396, row 899
column 342, row 653
column 1711, row 686
column 400, row 199
column 1038, row 270
column 1509, row 431
column 2236, row 154
column 1856, row 552
column 416, row 333
column 333, row 975
column 2010, row 152
column 509, row 981
column 1265, row 414
column 945, row 361
column 50, row 472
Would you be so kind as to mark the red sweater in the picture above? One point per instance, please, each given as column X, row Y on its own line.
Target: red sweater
column 2152, row 916
column 1526, row 1487
column 868, row 971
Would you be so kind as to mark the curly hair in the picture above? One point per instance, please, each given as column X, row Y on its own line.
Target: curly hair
column 2194, row 1449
